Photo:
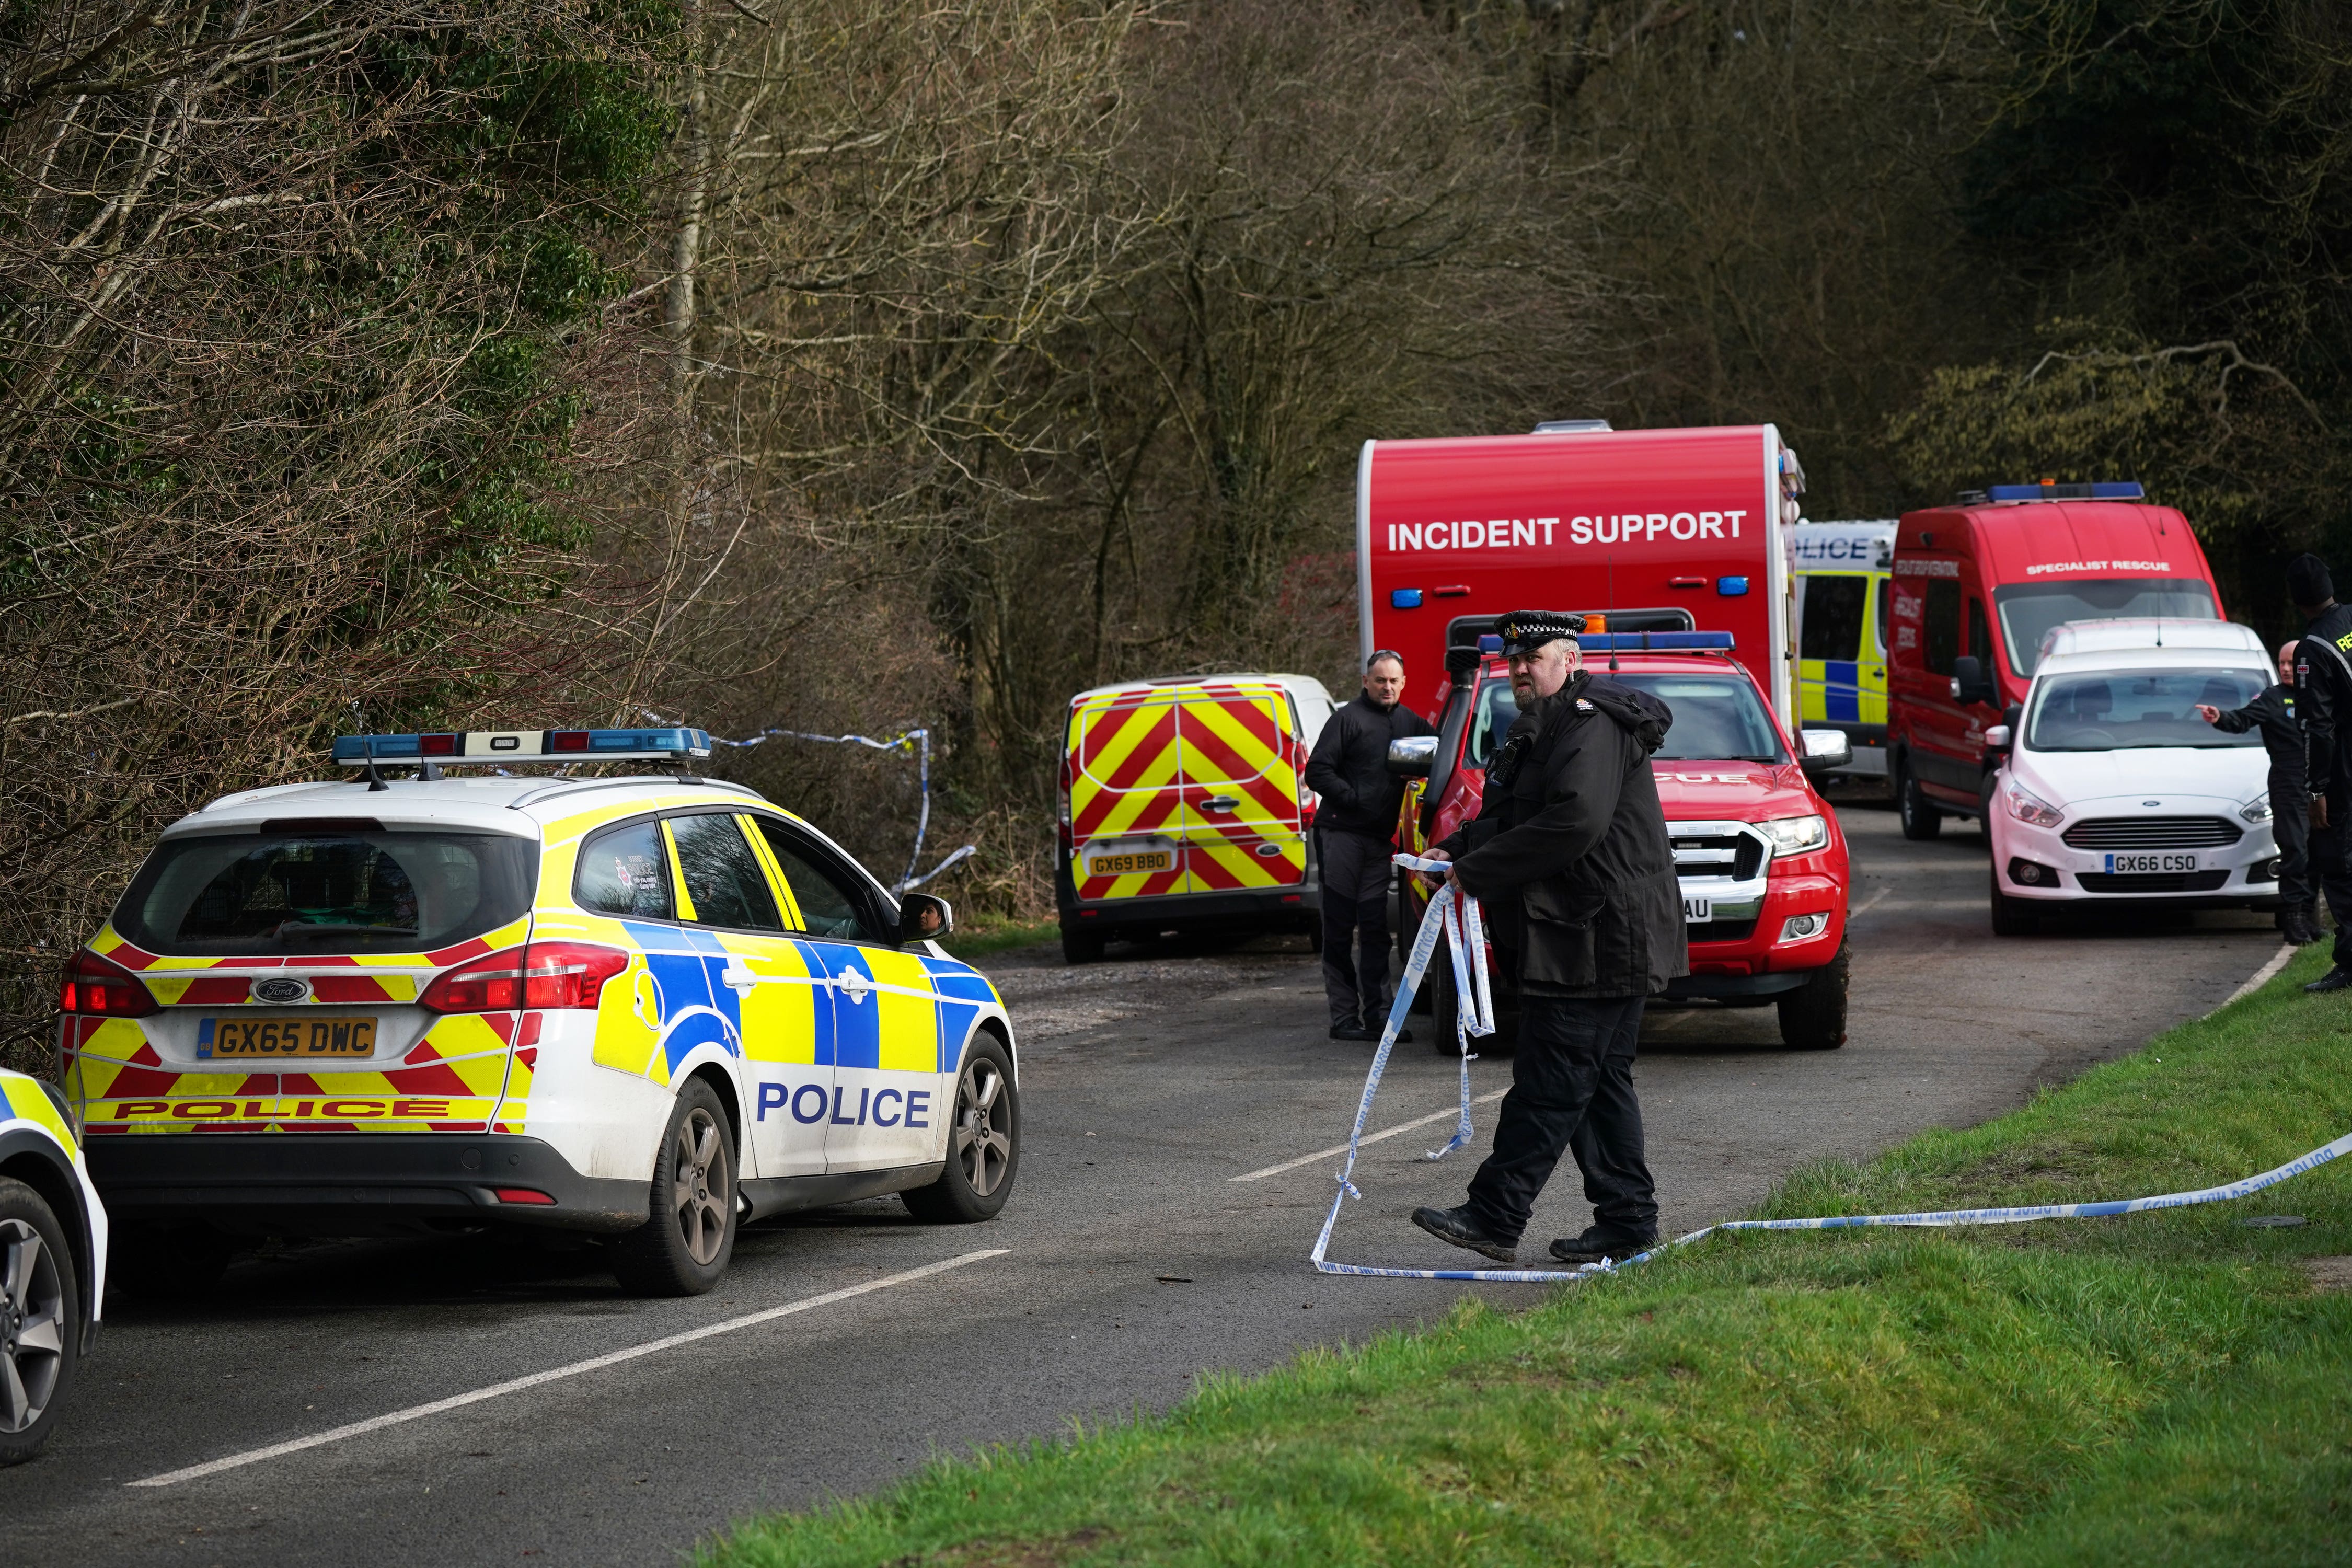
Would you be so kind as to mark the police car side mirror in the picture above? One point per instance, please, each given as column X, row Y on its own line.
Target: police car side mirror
column 1825, row 750
column 922, row 917
column 1413, row 756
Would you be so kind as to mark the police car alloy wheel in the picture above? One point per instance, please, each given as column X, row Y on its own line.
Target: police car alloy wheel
column 40, row 1319
column 983, row 1142
column 689, row 1234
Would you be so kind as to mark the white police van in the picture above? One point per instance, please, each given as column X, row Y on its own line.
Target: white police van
column 2111, row 788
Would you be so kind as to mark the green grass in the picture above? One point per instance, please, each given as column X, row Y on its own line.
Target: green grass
column 969, row 941
column 2157, row 1388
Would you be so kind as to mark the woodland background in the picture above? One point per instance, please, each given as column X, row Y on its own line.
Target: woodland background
column 849, row 365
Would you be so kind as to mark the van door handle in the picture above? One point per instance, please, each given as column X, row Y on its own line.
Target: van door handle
column 1220, row 803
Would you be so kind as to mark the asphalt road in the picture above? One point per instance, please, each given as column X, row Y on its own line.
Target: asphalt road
column 1131, row 1256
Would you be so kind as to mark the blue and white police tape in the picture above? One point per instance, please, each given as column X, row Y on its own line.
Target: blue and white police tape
column 917, row 740
column 1466, row 937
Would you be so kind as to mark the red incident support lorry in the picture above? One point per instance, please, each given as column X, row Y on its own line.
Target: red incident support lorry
column 1670, row 542
column 1980, row 584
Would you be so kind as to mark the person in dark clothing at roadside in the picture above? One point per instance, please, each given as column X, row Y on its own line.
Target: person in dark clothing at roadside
column 2272, row 712
column 2323, row 701
column 1569, row 854
column 1355, row 834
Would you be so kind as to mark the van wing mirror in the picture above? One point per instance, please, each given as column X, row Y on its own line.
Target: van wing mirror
column 924, row 918
column 1969, row 682
column 1412, row 756
column 1825, row 750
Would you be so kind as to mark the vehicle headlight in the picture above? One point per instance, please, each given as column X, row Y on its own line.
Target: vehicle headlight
column 2257, row 809
column 1796, row 835
column 2027, row 806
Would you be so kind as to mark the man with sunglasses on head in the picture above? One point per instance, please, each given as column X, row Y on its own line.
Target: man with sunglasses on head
column 1570, row 856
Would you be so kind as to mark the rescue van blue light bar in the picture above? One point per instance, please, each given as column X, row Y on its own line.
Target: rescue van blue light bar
column 1656, row 642
column 493, row 748
column 2102, row 490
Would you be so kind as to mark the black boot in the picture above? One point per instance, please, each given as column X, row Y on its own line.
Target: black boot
column 2298, row 924
column 1602, row 1244
column 2336, row 979
column 1460, row 1228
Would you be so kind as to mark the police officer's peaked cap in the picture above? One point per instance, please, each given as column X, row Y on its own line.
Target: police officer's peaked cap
column 1525, row 631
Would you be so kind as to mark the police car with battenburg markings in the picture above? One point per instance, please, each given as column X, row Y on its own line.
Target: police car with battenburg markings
column 648, row 1008
column 53, row 1235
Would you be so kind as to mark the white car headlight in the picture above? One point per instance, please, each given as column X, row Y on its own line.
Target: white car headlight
column 1796, row 835
column 2027, row 806
column 2257, row 809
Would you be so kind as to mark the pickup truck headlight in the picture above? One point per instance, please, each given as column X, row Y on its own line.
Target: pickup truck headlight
column 2027, row 806
column 1796, row 835
column 2257, row 809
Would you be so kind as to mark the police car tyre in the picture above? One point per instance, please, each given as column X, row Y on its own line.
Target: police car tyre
column 170, row 1261
column 1812, row 1017
column 1920, row 820
column 40, row 1315
column 1081, row 946
column 983, row 1142
column 2011, row 917
column 689, row 1234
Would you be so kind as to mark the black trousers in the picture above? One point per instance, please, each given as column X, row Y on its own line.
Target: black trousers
column 1571, row 1089
column 2291, row 826
column 2331, row 869
column 1355, row 873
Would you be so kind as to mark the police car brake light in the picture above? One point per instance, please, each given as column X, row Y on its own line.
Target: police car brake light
column 499, row 748
column 522, row 1196
column 91, row 985
column 541, row 976
column 1658, row 642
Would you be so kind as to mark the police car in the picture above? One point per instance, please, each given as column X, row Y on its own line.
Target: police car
column 646, row 1008
column 52, row 1262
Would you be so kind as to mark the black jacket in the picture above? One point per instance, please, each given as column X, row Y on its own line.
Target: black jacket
column 2322, row 690
column 2273, row 713
column 1569, row 850
column 1349, row 767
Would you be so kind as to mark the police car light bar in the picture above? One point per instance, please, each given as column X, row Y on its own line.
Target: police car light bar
column 495, row 748
column 1656, row 642
column 2102, row 490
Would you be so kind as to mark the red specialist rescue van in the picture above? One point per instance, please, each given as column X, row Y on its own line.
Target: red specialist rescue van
column 1977, row 584
column 1671, row 544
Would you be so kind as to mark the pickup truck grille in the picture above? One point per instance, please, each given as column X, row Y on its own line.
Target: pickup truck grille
column 1735, row 854
column 2153, row 833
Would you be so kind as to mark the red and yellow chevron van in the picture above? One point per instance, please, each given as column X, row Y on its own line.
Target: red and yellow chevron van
column 1184, row 806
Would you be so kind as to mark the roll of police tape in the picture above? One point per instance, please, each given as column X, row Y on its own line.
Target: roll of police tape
column 1458, row 919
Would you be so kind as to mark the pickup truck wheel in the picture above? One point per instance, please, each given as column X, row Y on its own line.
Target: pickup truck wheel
column 2012, row 917
column 1921, row 820
column 689, row 1234
column 1812, row 1017
column 983, row 1142
column 1081, row 946
column 40, row 1320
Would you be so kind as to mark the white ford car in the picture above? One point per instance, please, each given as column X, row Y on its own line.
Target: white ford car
column 2111, row 788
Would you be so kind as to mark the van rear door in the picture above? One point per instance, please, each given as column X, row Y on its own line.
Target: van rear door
column 1125, row 838
column 1239, row 767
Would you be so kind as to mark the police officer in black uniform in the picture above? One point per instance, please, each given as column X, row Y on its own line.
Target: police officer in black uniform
column 2272, row 712
column 2323, row 691
column 1569, row 854
column 1355, row 834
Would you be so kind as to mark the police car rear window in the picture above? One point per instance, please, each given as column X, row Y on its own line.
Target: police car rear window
column 291, row 893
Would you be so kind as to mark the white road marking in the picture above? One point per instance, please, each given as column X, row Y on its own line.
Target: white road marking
column 1370, row 1138
column 514, row 1385
column 1866, row 905
column 2261, row 977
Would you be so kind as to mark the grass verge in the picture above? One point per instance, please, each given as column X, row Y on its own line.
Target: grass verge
column 2166, row 1387
column 969, row 941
